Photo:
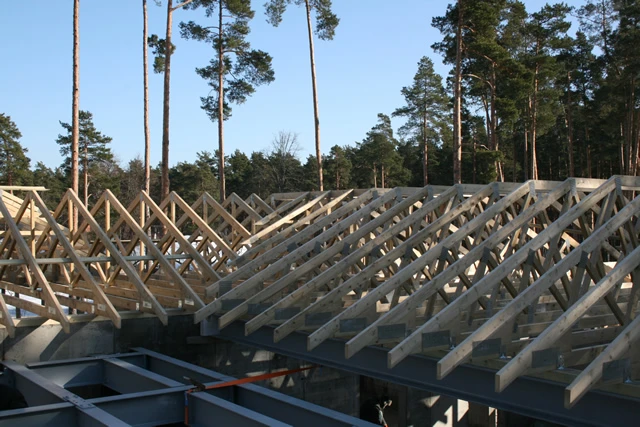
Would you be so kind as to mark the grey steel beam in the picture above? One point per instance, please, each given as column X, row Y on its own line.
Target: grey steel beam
column 289, row 409
column 251, row 396
column 125, row 377
column 177, row 370
column 39, row 390
column 77, row 374
column 60, row 414
column 151, row 408
column 206, row 410
column 155, row 388
column 528, row 396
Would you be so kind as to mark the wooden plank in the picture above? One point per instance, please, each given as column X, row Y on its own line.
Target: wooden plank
column 261, row 203
column 430, row 230
column 184, row 243
column 54, row 309
column 251, row 213
column 270, row 227
column 294, row 228
column 145, row 295
column 404, row 275
column 519, row 364
column 352, row 257
column 104, row 306
column 529, row 295
column 257, row 279
column 324, row 256
column 275, row 253
column 412, row 343
column 188, row 292
column 5, row 317
column 217, row 207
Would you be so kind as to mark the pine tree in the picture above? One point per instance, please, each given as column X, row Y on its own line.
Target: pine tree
column 426, row 104
column 235, row 70
column 164, row 49
column 338, row 168
column 14, row 164
column 546, row 32
column 377, row 153
column 94, row 151
column 326, row 23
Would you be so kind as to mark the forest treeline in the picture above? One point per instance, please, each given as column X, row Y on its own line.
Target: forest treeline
column 527, row 98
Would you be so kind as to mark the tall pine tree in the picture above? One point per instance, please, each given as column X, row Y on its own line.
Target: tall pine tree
column 235, row 70
column 326, row 23
column 426, row 105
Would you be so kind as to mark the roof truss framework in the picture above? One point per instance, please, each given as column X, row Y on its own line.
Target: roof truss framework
column 543, row 276
column 536, row 277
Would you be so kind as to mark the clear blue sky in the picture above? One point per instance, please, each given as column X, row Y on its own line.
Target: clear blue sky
column 360, row 74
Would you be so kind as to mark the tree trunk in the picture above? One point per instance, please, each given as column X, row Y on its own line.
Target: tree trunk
column 75, row 109
column 221, row 111
column 473, row 152
column 316, row 113
column 534, row 124
column 425, row 153
column 515, row 162
column 85, row 174
column 165, row 105
column 147, row 136
column 9, row 165
column 457, row 89
column 636, row 159
column 526, row 144
column 494, row 115
column 572, row 171
column 633, row 152
column 589, row 161
column 487, row 118
column 494, row 124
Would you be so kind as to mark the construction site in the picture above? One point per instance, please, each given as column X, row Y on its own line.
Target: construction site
column 507, row 304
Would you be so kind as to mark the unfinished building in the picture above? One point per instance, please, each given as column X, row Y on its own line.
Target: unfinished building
column 520, row 297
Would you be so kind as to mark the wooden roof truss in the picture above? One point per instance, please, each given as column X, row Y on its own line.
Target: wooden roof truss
column 539, row 278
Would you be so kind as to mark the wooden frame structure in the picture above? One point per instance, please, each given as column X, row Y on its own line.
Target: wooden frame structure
column 539, row 278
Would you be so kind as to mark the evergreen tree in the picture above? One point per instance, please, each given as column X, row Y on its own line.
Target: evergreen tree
column 236, row 69
column 240, row 171
column 338, row 168
column 260, row 182
column 163, row 50
column 426, row 104
column 377, row 154
column 309, row 174
column 546, row 35
column 94, row 150
column 54, row 180
column 191, row 180
column 14, row 164
column 132, row 180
